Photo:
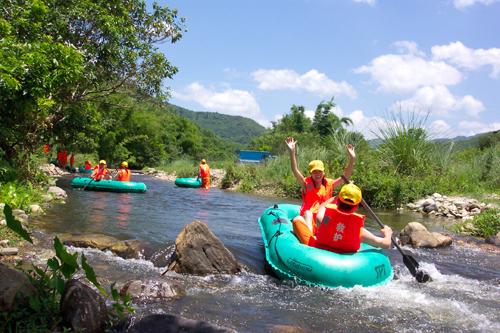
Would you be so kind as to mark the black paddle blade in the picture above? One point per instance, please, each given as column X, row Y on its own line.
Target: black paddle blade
column 414, row 269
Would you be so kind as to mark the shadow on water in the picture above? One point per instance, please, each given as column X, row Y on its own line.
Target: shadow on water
column 463, row 296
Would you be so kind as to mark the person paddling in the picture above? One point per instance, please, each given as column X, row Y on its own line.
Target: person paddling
column 123, row 173
column 101, row 171
column 339, row 228
column 316, row 188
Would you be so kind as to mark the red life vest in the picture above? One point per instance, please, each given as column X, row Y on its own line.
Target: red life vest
column 123, row 175
column 312, row 197
column 204, row 171
column 339, row 231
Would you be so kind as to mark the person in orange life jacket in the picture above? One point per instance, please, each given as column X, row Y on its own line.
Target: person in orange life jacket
column 88, row 165
column 339, row 228
column 64, row 158
column 204, row 174
column 101, row 171
column 72, row 161
column 315, row 188
column 123, row 173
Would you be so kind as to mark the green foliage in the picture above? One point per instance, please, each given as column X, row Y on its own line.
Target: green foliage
column 488, row 222
column 20, row 195
column 43, row 311
column 237, row 129
column 406, row 148
column 58, row 57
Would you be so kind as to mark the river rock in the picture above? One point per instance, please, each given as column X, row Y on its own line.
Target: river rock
column 57, row 192
column 36, row 209
column 169, row 323
column 82, row 308
column 416, row 235
column 15, row 289
column 150, row 289
column 198, row 251
column 8, row 251
column 494, row 239
column 127, row 249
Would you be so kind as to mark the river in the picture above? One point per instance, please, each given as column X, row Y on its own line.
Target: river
column 464, row 295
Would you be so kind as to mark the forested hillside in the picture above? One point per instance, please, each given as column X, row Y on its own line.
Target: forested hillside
column 237, row 129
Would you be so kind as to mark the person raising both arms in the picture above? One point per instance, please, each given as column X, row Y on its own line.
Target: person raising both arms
column 123, row 173
column 339, row 228
column 101, row 172
column 315, row 188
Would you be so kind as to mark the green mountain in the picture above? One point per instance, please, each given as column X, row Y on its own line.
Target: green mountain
column 237, row 129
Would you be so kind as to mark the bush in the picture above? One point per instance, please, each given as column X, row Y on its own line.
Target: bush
column 488, row 222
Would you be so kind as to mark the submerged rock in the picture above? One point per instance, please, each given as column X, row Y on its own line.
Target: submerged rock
column 169, row 323
column 126, row 249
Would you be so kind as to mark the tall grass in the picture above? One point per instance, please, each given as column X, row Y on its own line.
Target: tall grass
column 406, row 148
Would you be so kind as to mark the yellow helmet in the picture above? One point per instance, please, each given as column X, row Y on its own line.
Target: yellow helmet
column 203, row 161
column 316, row 165
column 350, row 194
column 102, row 162
column 124, row 164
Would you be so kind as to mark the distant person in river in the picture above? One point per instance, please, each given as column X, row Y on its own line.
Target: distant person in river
column 123, row 173
column 315, row 188
column 204, row 174
column 88, row 165
column 339, row 228
column 72, row 161
column 101, row 171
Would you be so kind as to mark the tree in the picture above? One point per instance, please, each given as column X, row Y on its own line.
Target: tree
column 57, row 56
column 325, row 122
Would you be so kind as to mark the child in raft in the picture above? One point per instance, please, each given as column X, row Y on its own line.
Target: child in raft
column 316, row 188
column 339, row 228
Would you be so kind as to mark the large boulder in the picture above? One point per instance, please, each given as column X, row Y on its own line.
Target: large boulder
column 198, row 251
column 82, row 308
column 416, row 235
column 169, row 323
column 15, row 289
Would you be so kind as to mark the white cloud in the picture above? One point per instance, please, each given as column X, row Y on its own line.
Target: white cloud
column 474, row 127
column 440, row 129
column 368, row 2
column 439, row 100
column 230, row 101
column 467, row 58
column 462, row 4
column 408, row 47
column 368, row 126
column 405, row 73
column 312, row 81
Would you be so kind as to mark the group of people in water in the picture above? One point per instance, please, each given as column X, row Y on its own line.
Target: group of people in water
column 101, row 171
column 331, row 222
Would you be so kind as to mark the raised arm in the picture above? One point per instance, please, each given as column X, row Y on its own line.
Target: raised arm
column 291, row 145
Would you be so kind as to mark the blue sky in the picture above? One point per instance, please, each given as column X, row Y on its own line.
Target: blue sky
column 258, row 58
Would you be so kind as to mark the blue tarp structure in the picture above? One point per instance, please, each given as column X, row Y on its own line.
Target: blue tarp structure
column 254, row 156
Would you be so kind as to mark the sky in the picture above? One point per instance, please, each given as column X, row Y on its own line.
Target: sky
column 436, row 61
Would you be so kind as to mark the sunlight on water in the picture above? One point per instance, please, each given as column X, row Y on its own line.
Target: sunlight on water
column 464, row 295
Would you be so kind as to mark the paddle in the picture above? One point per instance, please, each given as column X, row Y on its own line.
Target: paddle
column 91, row 180
column 408, row 260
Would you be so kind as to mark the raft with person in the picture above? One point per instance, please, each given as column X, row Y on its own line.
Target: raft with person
column 81, row 169
column 108, row 185
column 192, row 182
column 292, row 260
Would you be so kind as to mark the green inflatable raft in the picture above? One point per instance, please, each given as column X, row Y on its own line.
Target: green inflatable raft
column 290, row 259
column 188, row 182
column 108, row 185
